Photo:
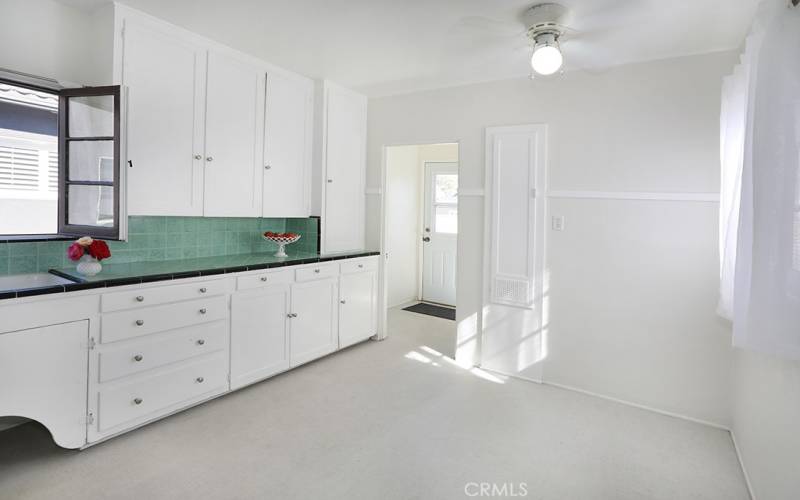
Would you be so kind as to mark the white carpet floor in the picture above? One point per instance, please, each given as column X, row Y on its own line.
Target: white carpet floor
column 386, row 420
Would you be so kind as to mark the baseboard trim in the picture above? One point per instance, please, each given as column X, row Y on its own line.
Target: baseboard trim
column 742, row 466
column 641, row 406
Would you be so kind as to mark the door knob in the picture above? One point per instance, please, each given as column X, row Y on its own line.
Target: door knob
column 426, row 239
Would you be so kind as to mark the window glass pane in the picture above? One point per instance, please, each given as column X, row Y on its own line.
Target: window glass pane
column 91, row 160
column 28, row 145
column 91, row 116
column 446, row 188
column 90, row 206
column 446, row 219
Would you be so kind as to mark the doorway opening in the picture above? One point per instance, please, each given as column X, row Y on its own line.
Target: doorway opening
column 421, row 227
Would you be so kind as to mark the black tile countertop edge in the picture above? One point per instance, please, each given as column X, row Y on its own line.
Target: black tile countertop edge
column 88, row 285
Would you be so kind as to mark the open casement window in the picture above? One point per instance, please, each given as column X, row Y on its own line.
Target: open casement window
column 89, row 162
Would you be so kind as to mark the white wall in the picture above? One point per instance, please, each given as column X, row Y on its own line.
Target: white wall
column 633, row 283
column 766, row 413
column 402, row 217
column 48, row 39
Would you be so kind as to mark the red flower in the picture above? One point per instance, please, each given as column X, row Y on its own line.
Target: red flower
column 75, row 251
column 99, row 250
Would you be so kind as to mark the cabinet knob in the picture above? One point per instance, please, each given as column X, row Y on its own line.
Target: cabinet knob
column 139, row 298
column 209, row 158
column 361, row 266
column 200, row 380
column 198, row 157
column 137, row 401
column 264, row 278
column 138, row 357
column 203, row 310
column 267, row 167
column 330, row 181
column 139, row 322
column 203, row 290
column 316, row 271
column 342, row 301
column 200, row 341
column 292, row 315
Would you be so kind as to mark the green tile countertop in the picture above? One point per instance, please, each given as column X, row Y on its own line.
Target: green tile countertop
column 145, row 272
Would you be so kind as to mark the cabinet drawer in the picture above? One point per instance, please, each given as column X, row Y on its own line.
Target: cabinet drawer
column 140, row 355
column 359, row 265
column 317, row 272
column 130, row 324
column 160, row 295
column 161, row 393
column 282, row 277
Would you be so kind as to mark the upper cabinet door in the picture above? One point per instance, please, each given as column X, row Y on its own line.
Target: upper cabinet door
column 165, row 80
column 233, row 137
column 345, row 169
column 288, row 134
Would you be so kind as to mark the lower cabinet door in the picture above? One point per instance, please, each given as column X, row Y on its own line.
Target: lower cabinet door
column 259, row 334
column 314, row 320
column 357, row 307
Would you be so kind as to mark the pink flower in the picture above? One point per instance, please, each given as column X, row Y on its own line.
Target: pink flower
column 75, row 251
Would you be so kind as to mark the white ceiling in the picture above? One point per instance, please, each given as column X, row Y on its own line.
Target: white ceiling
column 385, row 47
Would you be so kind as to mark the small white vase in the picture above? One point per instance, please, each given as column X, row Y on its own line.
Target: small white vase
column 89, row 266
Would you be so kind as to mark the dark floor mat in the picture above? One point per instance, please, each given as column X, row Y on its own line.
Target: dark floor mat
column 432, row 310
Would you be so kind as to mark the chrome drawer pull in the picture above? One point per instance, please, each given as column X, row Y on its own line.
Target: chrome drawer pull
column 137, row 401
column 203, row 290
column 263, row 278
column 201, row 342
column 203, row 310
column 199, row 380
column 139, row 322
column 138, row 357
column 139, row 298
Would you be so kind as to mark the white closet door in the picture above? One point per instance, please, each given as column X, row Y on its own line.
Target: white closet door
column 165, row 78
column 288, row 130
column 343, row 220
column 232, row 158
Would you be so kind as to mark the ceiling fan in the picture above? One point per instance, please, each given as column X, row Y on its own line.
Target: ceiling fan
column 547, row 23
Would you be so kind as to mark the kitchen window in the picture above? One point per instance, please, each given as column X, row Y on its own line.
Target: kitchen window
column 59, row 162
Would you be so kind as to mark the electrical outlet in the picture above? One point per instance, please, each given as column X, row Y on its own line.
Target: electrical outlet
column 558, row 223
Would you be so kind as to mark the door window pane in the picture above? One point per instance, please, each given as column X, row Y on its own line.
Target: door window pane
column 90, row 206
column 91, row 116
column 445, row 188
column 91, row 161
column 446, row 219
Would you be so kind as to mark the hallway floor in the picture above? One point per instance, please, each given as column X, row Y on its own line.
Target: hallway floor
column 386, row 420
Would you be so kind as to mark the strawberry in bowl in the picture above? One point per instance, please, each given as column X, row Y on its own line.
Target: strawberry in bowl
column 281, row 239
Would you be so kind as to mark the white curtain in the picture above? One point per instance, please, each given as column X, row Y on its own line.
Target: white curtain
column 760, row 199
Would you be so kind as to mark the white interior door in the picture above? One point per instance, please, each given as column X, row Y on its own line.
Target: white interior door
column 440, row 233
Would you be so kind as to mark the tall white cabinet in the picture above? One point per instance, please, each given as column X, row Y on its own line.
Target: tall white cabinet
column 341, row 167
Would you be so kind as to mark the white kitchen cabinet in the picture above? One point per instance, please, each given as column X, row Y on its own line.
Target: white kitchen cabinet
column 288, row 132
column 165, row 77
column 358, row 306
column 314, row 320
column 234, row 106
column 341, row 168
column 43, row 377
column 259, row 333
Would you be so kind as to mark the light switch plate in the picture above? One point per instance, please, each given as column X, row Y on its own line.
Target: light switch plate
column 558, row 223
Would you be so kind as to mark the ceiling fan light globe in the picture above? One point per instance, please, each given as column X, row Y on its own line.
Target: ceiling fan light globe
column 546, row 60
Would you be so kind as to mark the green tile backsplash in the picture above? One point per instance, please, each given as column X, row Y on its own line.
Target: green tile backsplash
column 167, row 238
